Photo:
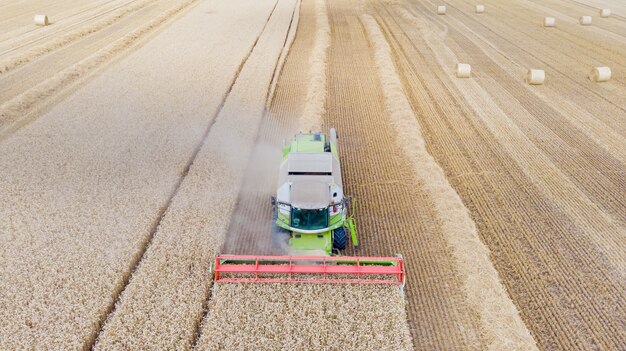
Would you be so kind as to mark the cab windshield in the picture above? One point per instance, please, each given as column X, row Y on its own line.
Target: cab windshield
column 309, row 219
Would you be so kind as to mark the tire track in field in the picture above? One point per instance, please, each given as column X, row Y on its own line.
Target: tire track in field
column 140, row 256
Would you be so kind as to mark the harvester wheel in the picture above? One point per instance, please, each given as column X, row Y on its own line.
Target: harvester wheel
column 339, row 238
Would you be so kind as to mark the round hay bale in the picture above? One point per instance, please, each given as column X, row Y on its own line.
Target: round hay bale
column 441, row 9
column 605, row 13
column 41, row 20
column 549, row 22
column 480, row 8
column 600, row 74
column 535, row 76
column 463, row 70
column 585, row 20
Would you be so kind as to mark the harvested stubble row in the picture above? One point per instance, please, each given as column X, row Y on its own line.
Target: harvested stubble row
column 306, row 317
column 395, row 214
column 499, row 317
column 548, row 199
column 165, row 300
column 82, row 186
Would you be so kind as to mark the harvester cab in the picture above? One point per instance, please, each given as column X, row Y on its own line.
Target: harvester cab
column 311, row 223
column 310, row 211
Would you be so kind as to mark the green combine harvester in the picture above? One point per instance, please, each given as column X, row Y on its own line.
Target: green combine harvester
column 310, row 210
column 311, row 225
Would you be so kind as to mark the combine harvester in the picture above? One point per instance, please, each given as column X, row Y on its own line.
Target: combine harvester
column 311, row 222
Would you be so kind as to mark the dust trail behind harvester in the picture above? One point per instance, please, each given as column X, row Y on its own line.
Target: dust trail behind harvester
column 250, row 229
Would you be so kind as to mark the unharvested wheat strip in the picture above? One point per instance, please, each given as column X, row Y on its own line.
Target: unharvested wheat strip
column 602, row 229
column 165, row 299
column 316, row 93
column 17, row 110
column 582, row 119
column 483, row 289
column 15, row 61
column 249, row 228
column 82, row 187
column 306, row 317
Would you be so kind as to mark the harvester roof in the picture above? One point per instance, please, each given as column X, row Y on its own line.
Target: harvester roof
column 310, row 193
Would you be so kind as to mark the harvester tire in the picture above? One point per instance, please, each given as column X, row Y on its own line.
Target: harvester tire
column 340, row 238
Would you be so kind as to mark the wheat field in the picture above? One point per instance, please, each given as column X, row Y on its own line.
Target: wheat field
column 141, row 138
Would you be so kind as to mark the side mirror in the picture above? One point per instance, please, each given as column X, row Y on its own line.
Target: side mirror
column 273, row 199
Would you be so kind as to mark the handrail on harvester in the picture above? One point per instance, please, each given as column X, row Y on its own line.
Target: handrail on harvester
column 309, row 269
